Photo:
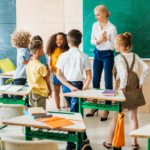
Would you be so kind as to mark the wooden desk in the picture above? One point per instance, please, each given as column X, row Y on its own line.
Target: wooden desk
column 143, row 132
column 25, row 91
column 96, row 94
column 52, row 134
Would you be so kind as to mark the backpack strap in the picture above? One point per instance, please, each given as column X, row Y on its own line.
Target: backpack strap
column 83, row 148
column 126, row 62
column 133, row 62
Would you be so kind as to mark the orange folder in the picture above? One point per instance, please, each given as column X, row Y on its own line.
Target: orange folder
column 55, row 122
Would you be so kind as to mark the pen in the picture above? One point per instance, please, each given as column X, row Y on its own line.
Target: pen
column 61, row 112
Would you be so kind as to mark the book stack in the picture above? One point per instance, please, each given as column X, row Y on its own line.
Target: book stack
column 42, row 116
column 37, row 112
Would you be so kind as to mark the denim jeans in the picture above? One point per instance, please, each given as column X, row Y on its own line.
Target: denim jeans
column 19, row 81
column 73, row 101
column 103, row 59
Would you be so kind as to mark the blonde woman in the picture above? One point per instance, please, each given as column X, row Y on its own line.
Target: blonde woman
column 103, row 37
column 21, row 40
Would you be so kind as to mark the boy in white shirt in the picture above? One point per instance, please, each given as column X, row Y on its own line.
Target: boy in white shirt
column 70, row 66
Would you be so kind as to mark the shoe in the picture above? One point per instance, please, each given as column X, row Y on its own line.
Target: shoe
column 71, row 146
column 104, row 119
column 135, row 147
column 87, row 142
column 91, row 115
column 58, row 109
column 107, row 145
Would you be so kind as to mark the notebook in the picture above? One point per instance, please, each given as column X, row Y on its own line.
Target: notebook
column 10, row 88
column 55, row 122
column 36, row 111
column 37, row 116
column 109, row 92
column 14, row 88
column 4, row 87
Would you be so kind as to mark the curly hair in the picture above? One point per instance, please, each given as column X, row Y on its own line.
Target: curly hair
column 51, row 43
column 20, row 38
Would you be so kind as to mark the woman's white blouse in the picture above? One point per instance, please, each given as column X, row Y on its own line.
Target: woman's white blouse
column 97, row 33
column 122, row 68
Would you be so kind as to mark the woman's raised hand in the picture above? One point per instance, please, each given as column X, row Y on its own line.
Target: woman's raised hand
column 104, row 34
column 103, row 38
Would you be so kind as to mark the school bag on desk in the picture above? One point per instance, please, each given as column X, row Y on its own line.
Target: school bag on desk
column 119, row 138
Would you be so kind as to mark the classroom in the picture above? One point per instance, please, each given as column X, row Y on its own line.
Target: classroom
column 74, row 74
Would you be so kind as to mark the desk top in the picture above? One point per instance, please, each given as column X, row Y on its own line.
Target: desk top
column 9, row 74
column 96, row 94
column 29, row 122
column 143, row 132
column 24, row 91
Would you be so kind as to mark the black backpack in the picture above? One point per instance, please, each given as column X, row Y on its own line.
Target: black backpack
column 84, row 146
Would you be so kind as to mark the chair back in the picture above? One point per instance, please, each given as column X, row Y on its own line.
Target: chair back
column 8, row 111
column 10, row 144
column 6, row 65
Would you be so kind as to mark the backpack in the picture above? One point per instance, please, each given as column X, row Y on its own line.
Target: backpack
column 84, row 146
column 119, row 138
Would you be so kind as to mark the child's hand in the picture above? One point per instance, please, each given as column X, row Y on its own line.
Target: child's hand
column 51, row 68
column 74, row 89
column 140, row 86
column 123, row 90
column 50, row 94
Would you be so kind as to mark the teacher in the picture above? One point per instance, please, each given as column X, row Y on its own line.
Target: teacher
column 103, row 37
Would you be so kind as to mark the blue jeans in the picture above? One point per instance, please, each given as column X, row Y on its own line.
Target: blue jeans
column 55, row 80
column 19, row 81
column 103, row 59
column 73, row 102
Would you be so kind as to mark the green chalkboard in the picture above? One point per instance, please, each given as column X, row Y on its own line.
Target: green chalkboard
column 128, row 16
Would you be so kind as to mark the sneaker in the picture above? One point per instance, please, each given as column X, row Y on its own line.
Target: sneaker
column 68, row 109
column 58, row 109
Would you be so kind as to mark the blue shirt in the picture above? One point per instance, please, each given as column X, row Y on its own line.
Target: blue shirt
column 22, row 55
column 43, row 59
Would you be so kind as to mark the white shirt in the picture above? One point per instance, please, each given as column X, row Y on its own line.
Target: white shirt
column 97, row 33
column 122, row 68
column 47, row 59
column 72, row 63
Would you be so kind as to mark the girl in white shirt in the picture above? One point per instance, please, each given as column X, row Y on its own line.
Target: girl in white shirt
column 125, row 71
column 103, row 37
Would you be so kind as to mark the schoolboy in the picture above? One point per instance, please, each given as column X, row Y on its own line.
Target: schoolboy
column 70, row 67
column 37, row 73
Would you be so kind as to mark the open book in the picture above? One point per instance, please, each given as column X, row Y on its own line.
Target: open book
column 10, row 88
